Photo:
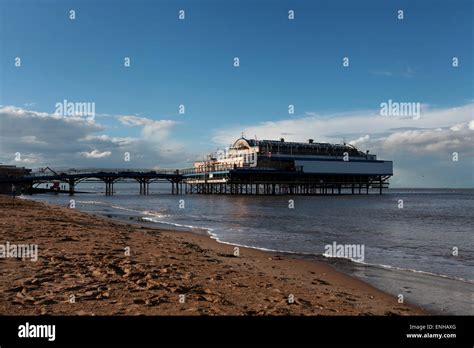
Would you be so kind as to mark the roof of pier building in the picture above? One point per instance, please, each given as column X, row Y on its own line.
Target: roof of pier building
column 297, row 148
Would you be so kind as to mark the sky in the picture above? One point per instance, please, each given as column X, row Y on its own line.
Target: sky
column 282, row 62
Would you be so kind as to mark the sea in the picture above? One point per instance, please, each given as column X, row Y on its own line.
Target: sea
column 417, row 243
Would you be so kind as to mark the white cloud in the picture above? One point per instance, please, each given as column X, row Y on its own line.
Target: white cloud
column 407, row 72
column 28, row 159
column 439, row 140
column 364, row 128
column 134, row 120
column 360, row 141
column 96, row 154
column 55, row 140
column 31, row 139
column 121, row 141
column 152, row 129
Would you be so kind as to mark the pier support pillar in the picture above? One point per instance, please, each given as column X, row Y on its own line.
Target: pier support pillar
column 109, row 186
column 72, row 184
column 144, row 186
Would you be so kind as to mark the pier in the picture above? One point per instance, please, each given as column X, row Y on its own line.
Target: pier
column 278, row 167
column 222, row 181
column 247, row 167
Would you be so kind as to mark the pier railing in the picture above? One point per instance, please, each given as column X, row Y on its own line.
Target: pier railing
column 208, row 169
column 71, row 171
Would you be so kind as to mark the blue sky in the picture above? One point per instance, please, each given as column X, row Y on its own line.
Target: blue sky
column 190, row 62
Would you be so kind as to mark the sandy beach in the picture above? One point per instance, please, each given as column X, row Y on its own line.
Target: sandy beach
column 89, row 265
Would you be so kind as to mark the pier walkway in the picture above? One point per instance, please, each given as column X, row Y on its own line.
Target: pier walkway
column 216, row 180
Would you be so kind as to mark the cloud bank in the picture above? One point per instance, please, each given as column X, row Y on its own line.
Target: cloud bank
column 44, row 139
column 417, row 146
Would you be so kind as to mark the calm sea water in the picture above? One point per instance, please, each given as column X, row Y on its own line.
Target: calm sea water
column 408, row 251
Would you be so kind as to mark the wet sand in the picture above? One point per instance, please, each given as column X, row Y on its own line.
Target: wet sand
column 83, row 268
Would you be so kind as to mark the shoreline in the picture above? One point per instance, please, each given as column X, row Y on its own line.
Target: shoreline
column 342, row 265
column 82, row 255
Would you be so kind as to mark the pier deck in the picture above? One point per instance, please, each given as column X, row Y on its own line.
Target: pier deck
column 231, row 181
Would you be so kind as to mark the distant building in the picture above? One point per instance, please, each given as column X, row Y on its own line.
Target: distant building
column 10, row 172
